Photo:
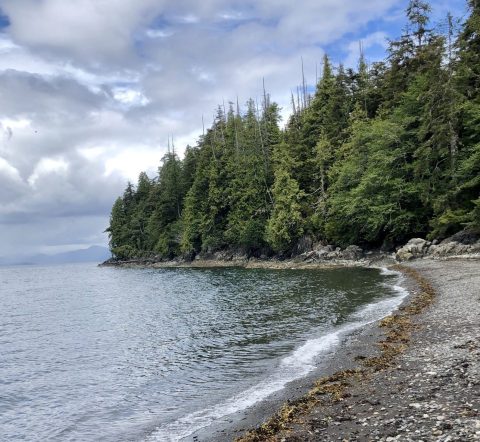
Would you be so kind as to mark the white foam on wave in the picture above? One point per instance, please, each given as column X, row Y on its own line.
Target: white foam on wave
column 385, row 271
column 294, row 366
column 305, row 355
column 378, row 310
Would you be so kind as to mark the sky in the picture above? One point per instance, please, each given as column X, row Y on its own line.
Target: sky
column 91, row 91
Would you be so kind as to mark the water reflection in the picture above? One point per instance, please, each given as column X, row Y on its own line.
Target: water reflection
column 110, row 354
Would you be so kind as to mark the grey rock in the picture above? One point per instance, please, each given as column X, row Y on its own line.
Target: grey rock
column 451, row 248
column 334, row 255
column 466, row 237
column 352, row 253
column 323, row 252
column 304, row 244
column 462, row 243
column 415, row 248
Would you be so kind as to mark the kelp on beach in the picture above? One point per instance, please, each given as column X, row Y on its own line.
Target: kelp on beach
column 397, row 330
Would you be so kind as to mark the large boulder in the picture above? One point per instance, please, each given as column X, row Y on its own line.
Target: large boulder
column 352, row 253
column 335, row 254
column 415, row 248
column 330, row 253
column 453, row 248
column 462, row 243
column 465, row 242
column 223, row 255
column 466, row 237
column 322, row 252
column 475, row 248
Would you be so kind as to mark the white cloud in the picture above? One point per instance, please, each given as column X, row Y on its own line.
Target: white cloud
column 376, row 39
column 231, row 15
column 6, row 44
column 92, row 89
column 130, row 97
column 158, row 33
column 7, row 170
column 131, row 161
column 48, row 166
column 20, row 123
column 188, row 19
column 78, row 29
column 92, row 153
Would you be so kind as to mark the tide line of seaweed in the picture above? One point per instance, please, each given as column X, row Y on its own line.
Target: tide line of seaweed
column 398, row 329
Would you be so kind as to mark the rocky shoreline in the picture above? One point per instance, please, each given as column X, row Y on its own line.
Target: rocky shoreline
column 418, row 380
column 424, row 383
column 464, row 244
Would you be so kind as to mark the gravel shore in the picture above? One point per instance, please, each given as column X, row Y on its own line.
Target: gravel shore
column 428, row 391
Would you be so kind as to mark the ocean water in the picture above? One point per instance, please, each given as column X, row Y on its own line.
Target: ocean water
column 107, row 354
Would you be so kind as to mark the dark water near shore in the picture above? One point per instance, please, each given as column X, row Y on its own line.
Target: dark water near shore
column 92, row 354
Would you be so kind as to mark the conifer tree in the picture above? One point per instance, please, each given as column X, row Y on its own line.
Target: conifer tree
column 166, row 197
column 371, row 199
column 249, row 203
column 404, row 53
column 468, row 47
column 314, row 118
column 141, row 214
column 418, row 14
column 118, row 226
column 286, row 223
column 379, row 154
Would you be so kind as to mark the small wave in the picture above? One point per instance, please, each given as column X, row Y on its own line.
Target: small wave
column 305, row 355
column 294, row 366
column 373, row 312
column 400, row 289
column 386, row 272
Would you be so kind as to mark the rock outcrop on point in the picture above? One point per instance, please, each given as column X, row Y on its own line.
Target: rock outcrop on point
column 415, row 248
column 331, row 253
column 462, row 243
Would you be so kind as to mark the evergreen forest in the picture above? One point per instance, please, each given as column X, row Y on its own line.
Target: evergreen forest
column 373, row 156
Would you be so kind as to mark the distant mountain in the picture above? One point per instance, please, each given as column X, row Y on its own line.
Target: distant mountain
column 91, row 254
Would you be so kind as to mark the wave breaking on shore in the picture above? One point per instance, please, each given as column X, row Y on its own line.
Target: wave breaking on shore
column 298, row 364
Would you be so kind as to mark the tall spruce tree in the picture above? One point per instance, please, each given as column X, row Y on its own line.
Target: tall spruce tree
column 372, row 200
column 249, row 202
column 286, row 223
column 377, row 155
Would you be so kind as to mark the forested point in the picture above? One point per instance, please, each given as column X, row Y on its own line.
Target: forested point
column 376, row 156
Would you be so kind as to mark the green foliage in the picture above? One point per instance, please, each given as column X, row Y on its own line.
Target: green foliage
column 449, row 222
column 475, row 215
column 125, row 252
column 371, row 199
column 168, row 243
column 377, row 154
column 286, row 223
column 468, row 46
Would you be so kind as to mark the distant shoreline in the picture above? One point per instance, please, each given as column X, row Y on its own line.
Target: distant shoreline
column 86, row 255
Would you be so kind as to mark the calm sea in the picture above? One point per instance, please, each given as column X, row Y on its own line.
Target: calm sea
column 106, row 354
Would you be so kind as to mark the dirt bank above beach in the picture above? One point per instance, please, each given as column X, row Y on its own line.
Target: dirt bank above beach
column 429, row 390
